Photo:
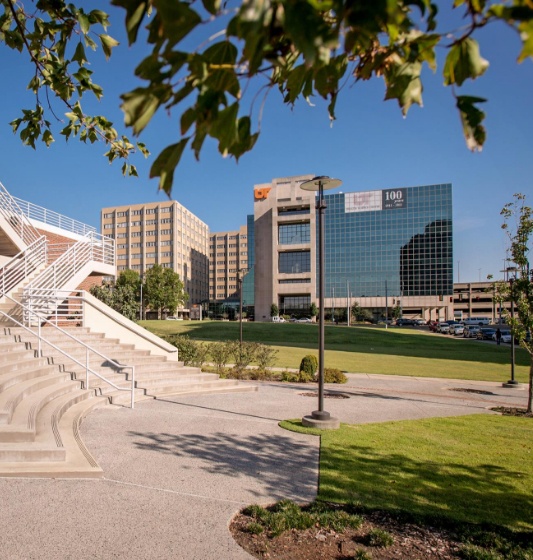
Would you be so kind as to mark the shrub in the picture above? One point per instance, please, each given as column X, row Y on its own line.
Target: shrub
column 334, row 375
column 190, row 352
column 289, row 376
column 220, row 353
column 254, row 528
column 265, row 357
column 362, row 555
column 379, row 537
column 308, row 367
column 243, row 355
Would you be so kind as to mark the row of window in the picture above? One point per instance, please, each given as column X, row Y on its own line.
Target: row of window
column 126, row 213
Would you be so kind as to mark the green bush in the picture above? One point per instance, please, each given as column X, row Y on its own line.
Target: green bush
column 334, row 375
column 379, row 537
column 190, row 352
column 220, row 354
column 289, row 376
column 308, row 367
column 265, row 357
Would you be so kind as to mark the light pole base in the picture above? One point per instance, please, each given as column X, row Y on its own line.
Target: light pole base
column 512, row 384
column 321, row 420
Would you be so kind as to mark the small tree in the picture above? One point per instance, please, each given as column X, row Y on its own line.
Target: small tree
column 313, row 310
column 274, row 310
column 164, row 290
column 520, row 290
column 397, row 311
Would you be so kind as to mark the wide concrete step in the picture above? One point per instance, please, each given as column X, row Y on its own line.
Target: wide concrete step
column 10, row 378
column 21, row 403
column 30, row 452
column 15, row 367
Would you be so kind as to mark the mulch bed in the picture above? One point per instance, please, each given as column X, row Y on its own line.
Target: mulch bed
column 411, row 541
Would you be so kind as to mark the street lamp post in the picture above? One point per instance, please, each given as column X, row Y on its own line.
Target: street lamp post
column 320, row 418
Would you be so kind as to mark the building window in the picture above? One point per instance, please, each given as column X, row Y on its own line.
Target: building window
column 108, row 226
column 293, row 211
column 294, row 262
column 108, row 215
column 122, row 214
column 294, row 234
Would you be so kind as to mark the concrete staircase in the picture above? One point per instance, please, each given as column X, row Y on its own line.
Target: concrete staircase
column 44, row 398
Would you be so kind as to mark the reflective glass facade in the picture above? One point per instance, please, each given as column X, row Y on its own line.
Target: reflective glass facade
column 294, row 234
column 394, row 241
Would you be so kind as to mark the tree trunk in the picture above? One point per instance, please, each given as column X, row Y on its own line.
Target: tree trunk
column 530, row 396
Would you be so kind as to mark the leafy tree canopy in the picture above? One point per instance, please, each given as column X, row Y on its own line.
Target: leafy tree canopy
column 163, row 290
column 303, row 48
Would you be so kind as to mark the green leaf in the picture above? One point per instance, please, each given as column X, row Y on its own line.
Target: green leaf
column 224, row 128
column 83, row 20
column 139, row 107
column 295, row 83
column 223, row 52
column 212, row 6
column 174, row 21
column 79, row 54
column 463, row 62
column 472, row 119
column 224, row 80
column 135, row 12
column 404, row 84
column 526, row 35
column 108, row 43
column 165, row 164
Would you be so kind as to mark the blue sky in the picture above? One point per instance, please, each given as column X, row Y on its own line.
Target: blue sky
column 370, row 146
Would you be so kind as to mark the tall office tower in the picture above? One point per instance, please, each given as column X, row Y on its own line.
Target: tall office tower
column 163, row 233
column 383, row 249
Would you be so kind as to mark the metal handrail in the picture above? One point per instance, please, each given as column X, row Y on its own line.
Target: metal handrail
column 49, row 217
column 41, row 320
column 22, row 265
column 12, row 212
column 93, row 247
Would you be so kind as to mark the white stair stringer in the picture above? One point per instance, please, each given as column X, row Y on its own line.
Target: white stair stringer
column 42, row 407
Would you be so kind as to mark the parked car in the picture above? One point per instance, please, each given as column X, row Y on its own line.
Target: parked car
column 420, row 322
column 304, row 320
column 506, row 337
column 277, row 319
column 470, row 331
column 443, row 328
column 485, row 333
column 404, row 322
column 457, row 329
column 432, row 326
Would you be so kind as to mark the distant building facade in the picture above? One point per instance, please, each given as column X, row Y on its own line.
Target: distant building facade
column 384, row 248
column 228, row 257
column 163, row 233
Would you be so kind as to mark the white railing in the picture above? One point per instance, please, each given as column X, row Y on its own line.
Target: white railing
column 94, row 247
column 12, row 212
column 22, row 265
column 52, row 218
column 66, row 307
column 20, row 311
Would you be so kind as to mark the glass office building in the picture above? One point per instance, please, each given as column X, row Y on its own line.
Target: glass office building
column 384, row 248
column 389, row 242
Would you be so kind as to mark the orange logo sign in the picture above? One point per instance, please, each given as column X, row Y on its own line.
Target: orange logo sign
column 261, row 193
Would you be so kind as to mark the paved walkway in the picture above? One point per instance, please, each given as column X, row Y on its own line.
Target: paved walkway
column 177, row 470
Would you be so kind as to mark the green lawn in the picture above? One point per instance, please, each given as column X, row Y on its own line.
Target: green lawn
column 359, row 349
column 476, row 469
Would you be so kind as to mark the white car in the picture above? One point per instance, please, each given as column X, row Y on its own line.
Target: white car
column 457, row 329
column 506, row 337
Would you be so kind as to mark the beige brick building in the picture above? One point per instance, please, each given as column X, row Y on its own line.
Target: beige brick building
column 163, row 233
column 228, row 254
